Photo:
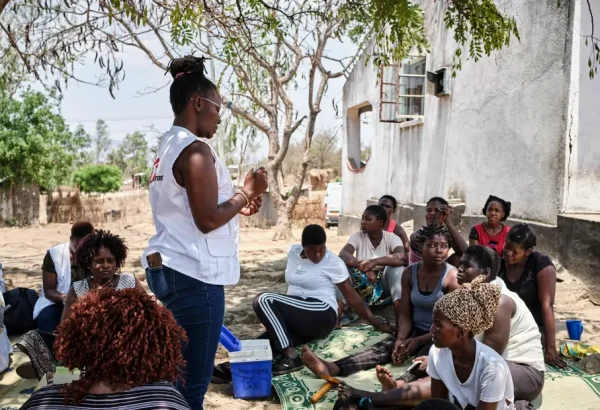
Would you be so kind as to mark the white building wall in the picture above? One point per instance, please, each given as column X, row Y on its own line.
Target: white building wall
column 501, row 131
column 583, row 136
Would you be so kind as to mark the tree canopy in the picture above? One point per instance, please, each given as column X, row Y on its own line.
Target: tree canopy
column 36, row 146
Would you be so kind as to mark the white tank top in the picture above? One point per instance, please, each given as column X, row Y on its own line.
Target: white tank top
column 211, row 258
column 524, row 342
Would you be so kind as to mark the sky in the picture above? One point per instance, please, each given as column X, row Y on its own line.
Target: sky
column 132, row 110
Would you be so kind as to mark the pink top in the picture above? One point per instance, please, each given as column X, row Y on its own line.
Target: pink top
column 391, row 226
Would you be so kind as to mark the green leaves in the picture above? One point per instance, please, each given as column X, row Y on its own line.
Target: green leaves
column 98, row 178
column 36, row 145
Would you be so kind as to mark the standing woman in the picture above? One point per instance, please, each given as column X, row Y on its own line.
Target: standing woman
column 492, row 233
column 195, row 208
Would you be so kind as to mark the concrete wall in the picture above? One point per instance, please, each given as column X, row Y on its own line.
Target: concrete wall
column 583, row 136
column 505, row 119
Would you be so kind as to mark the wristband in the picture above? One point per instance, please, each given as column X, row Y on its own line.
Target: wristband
column 243, row 194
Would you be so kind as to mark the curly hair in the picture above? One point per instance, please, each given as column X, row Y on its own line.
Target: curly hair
column 505, row 204
column 428, row 232
column 123, row 337
column 90, row 245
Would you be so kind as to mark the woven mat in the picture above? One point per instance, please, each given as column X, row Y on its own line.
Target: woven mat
column 563, row 390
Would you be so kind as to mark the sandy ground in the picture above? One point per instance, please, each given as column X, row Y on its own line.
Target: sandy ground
column 263, row 264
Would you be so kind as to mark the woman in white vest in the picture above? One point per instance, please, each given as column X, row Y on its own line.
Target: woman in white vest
column 58, row 272
column 195, row 208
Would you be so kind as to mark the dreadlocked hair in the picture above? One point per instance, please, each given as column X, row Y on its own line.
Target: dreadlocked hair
column 428, row 232
column 485, row 258
column 123, row 337
column 90, row 245
column 188, row 79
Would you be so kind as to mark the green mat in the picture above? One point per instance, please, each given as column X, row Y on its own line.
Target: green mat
column 563, row 390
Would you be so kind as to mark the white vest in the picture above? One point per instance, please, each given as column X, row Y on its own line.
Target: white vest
column 211, row 258
column 61, row 256
column 524, row 341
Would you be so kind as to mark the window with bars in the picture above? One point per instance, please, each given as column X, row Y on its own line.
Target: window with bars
column 402, row 90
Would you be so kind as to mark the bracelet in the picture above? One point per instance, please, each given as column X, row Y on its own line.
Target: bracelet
column 243, row 194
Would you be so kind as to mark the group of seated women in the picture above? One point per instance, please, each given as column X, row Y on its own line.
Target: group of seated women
column 491, row 299
column 92, row 259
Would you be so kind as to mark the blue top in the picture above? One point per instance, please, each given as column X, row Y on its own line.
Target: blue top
column 423, row 303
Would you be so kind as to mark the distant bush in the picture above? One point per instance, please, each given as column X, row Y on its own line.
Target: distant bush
column 98, row 178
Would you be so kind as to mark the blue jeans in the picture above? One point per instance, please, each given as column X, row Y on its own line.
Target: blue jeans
column 49, row 318
column 199, row 308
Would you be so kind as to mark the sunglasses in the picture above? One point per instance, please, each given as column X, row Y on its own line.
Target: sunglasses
column 215, row 104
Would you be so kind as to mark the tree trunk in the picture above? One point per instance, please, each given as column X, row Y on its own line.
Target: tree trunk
column 283, row 230
column 12, row 200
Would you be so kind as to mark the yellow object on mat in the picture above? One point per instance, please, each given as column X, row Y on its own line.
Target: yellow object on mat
column 578, row 350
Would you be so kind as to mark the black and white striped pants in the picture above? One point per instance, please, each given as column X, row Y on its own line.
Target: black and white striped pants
column 293, row 320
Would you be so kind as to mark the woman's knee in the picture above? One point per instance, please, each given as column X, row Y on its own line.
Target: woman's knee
column 256, row 303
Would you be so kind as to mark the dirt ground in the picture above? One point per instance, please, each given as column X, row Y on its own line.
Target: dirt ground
column 263, row 265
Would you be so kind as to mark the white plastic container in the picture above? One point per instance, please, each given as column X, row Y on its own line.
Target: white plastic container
column 251, row 369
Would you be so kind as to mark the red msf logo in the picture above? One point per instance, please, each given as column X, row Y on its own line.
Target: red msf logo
column 154, row 169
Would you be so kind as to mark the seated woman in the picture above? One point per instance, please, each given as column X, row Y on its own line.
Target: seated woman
column 100, row 255
column 378, row 253
column 309, row 311
column 132, row 359
column 59, row 270
column 463, row 370
column 390, row 204
column 492, row 233
column 532, row 276
column 438, row 212
column 422, row 285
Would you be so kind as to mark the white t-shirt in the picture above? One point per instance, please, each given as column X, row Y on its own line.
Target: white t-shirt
column 314, row 280
column 490, row 380
column 365, row 249
column 524, row 340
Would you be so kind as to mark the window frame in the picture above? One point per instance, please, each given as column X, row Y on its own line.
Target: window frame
column 402, row 118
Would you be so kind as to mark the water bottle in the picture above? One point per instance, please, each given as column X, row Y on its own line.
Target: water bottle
column 229, row 341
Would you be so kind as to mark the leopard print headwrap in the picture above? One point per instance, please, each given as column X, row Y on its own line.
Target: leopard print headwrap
column 471, row 307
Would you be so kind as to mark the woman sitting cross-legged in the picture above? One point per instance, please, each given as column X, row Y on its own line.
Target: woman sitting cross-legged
column 492, row 232
column 422, row 285
column 128, row 350
column 371, row 255
column 309, row 311
column 100, row 256
column 462, row 369
column 532, row 276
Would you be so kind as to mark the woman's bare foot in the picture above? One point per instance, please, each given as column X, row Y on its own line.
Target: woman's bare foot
column 385, row 378
column 317, row 366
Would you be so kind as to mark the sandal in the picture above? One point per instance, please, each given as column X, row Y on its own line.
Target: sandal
column 221, row 374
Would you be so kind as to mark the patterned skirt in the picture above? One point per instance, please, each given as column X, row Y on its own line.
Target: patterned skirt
column 371, row 293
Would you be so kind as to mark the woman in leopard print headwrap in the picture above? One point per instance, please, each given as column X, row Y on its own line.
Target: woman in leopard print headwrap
column 463, row 370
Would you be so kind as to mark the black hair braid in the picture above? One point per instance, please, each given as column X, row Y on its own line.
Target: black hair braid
column 428, row 232
column 91, row 244
column 505, row 204
column 188, row 79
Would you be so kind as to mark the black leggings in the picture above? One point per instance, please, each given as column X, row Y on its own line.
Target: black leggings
column 293, row 320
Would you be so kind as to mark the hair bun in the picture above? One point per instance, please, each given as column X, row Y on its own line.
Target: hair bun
column 187, row 64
